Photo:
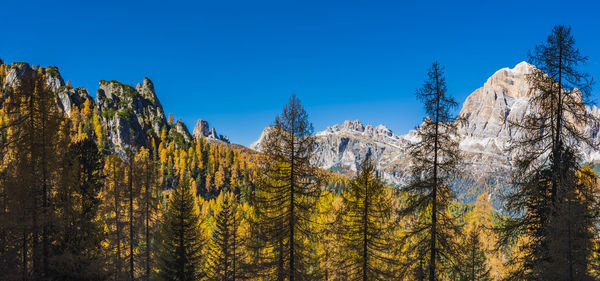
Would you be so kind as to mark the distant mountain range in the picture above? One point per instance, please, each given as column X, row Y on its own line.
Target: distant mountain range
column 484, row 139
column 132, row 116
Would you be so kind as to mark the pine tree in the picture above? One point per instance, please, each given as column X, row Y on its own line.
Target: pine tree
column 435, row 161
column 225, row 259
column 77, row 234
column 483, row 219
column 547, row 159
column 365, row 229
column 31, row 137
column 133, row 218
column 181, row 240
column 146, row 181
column 113, row 210
column 473, row 266
column 285, row 198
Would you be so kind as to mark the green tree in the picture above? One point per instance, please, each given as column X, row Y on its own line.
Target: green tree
column 365, row 228
column 31, row 137
column 147, row 183
column 226, row 254
column 435, row 160
column 546, row 151
column 181, row 240
column 473, row 263
column 286, row 197
column 113, row 210
column 77, row 234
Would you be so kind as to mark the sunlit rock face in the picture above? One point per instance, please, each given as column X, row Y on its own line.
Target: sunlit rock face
column 202, row 129
column 130, row 114
column 484, row 137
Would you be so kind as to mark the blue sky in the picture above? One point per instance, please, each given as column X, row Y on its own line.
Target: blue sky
column 235, row 63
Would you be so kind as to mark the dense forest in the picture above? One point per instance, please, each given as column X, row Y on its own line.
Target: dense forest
column 75, row 206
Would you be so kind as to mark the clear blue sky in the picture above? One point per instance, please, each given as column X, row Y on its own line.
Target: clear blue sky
column 235, row 63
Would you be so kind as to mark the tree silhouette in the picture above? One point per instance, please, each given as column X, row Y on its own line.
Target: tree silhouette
column 225, row 259
column 365, row 228
column 435, row 160
column 546, row 149
column 181, row 240
column 287, row 194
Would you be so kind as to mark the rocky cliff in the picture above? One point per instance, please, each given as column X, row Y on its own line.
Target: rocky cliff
column 484, row 138
column 202, row 129
column 130, row 116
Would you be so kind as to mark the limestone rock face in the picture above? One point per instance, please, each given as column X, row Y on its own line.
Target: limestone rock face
column 182, row 130
column 131, row 116
column 343, row 147
column 257, row 145
column 70, row 98
column 130, row 113
column 20, row 73
column 484, row 138
column 17, row 75
column 202, row 129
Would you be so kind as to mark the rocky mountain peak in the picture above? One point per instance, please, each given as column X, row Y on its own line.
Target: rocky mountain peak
column 356, row 128
column 484, row 136
column 202, row 129
column 19, row 73
column 353, row 126
column 131, row 117
column 504, row 97
column 130, row 112
column 146, row 89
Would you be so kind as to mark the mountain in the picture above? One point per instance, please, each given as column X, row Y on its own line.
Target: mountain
column 202, row 129
column 131, row 116
column 485, row 135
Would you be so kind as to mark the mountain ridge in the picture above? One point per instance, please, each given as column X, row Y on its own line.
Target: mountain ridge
column 131, row 116
column 488, row 114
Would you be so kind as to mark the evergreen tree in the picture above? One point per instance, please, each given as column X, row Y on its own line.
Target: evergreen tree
column 113, row 212
column 225, row 259
column 365, row 228
column 181, row 240
column 547, row 159
column 435, row 161
column 473, row 263
column 133, row 211
column 147, row 183
column 77, row 234
column 31, row 140
column 483, row 219
column 286, row 197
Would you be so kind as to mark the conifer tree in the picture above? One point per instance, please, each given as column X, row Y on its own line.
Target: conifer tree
column 483, row 219
column 181, row 240
column 32, row 133
column 76, row 251
column 547, row 159
column 133, row 212
column 285, row 198
column 146, row 182
column 113, row 211
column 225, row 259
column 365, row 228
column 473, row 263
column 435, row 161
